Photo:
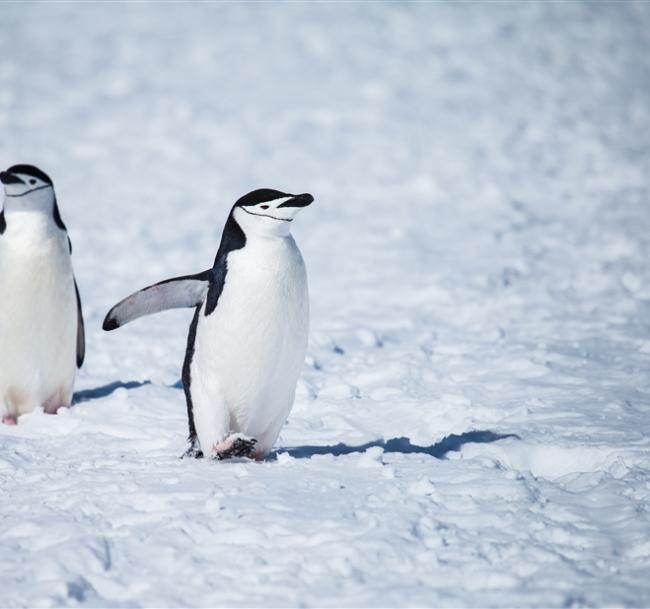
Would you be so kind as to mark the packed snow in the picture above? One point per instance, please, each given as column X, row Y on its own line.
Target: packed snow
column 472, row 422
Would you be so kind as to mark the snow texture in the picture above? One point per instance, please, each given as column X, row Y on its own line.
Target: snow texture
column 472, row 423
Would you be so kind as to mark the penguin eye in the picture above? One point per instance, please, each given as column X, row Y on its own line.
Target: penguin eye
column 264, row 206
column 32, row 181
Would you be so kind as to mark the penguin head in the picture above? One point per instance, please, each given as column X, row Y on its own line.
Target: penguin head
column 269, row 212
column 27, row 183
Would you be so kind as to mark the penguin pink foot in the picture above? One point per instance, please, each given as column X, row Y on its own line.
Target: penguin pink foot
column 9, row 419
column 235, row 446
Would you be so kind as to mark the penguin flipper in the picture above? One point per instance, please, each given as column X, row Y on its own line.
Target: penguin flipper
column 175, row 293
column 81, row 333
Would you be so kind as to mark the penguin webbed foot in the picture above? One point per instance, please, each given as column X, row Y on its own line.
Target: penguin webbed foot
column 238, row 446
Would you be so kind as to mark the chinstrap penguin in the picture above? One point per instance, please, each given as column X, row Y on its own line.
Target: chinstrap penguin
column 248, row 337
column 41, row 322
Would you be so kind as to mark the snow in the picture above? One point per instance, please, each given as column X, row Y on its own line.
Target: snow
column 471, row 426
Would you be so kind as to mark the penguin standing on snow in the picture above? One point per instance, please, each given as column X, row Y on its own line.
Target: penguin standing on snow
column 41, row 323
column 248, row 338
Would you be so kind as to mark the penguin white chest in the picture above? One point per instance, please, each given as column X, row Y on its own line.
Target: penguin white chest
column 37, row 318
column 249, row 351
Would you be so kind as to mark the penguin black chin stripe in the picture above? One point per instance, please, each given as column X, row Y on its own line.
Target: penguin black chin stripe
column 29, row 191
column 267, row 216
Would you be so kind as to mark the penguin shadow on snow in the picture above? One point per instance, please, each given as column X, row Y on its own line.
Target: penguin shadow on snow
column 439, row 450
column 86, row 395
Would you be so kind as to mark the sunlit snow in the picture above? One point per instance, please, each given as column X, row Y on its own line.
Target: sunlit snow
column 472, row 425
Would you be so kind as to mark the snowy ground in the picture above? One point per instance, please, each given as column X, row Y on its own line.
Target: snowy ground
column 472, row 425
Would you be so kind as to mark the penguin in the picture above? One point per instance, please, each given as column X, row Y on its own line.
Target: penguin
column 248, row 337
column 42, row 339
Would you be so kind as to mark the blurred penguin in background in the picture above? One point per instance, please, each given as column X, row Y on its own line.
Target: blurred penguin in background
column 41, row 323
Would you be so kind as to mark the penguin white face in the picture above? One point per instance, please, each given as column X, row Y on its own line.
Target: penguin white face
column 27, row 182
column 269, row 212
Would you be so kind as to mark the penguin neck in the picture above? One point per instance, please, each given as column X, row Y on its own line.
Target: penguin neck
column 38, row 202
column 38, row 209
column 235, row 237
column 256, row 227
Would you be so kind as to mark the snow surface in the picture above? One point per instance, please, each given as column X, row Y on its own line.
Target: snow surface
column 472, row 423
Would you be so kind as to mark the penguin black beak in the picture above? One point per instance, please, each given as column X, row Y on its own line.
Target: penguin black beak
column 298, row 201
column 9, row 178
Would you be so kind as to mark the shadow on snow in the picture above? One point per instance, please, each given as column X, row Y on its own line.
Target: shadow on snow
column 402, row 445
column 85, row 395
